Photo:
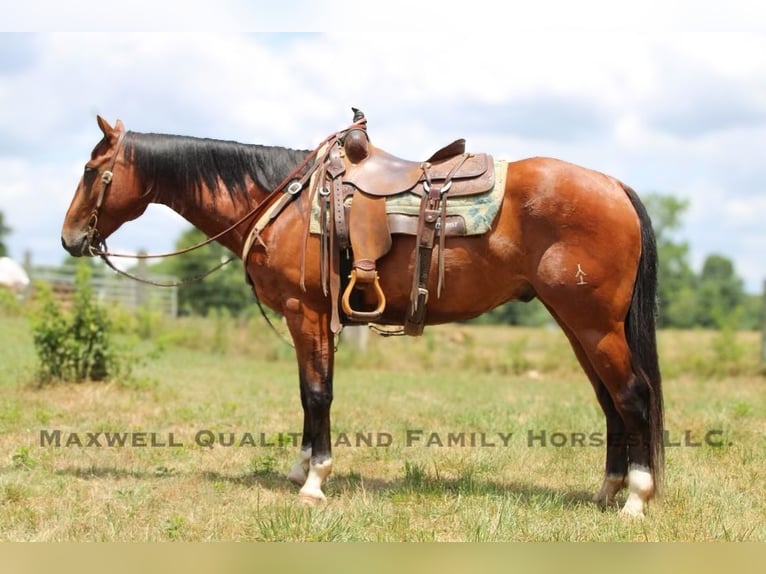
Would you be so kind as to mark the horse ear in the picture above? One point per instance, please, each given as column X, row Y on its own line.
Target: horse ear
column 104, row 125
column 119, row 127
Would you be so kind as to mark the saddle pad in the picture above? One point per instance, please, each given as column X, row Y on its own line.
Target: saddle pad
column 478, row 211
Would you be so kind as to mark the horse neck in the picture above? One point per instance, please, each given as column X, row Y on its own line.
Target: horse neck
column 213, row 184
column 215, row 213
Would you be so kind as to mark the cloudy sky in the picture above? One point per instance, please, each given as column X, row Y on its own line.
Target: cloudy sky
column 670, row 99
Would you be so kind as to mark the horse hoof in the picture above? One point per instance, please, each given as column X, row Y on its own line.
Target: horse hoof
column 606, row 496
column 632, row 512
column 603, row 502
column 311, row 499
column 631, row 515
column 641, row 485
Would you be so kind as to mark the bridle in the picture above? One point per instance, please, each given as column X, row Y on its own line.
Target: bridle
column 106, row 180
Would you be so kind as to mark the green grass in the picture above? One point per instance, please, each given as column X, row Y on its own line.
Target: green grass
column 455, row 379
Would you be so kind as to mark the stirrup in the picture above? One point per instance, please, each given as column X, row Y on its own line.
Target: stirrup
column 363, row 316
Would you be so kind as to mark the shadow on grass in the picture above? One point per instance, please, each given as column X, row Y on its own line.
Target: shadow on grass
column 97, row 472
column 347, row 484
column 523, row 492
column 412, row 484
column 270, row 480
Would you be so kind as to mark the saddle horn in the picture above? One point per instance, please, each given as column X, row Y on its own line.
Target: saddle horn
column 356, row 142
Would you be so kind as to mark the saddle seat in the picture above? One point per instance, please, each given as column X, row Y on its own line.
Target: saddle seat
column 382, row 174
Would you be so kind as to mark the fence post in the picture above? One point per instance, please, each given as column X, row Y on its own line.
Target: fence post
column 357, row 336
column 141, row 287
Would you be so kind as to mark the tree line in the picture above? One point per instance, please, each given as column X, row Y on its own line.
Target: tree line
column 714, row 297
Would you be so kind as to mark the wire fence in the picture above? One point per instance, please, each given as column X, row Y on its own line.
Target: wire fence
column 113, row 289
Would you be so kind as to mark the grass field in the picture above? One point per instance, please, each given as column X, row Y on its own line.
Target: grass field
column 514, row 397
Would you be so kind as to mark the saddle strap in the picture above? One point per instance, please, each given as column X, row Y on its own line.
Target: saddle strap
column 335, row 170
column 414, row 322
column 338, row 234
column 314, row 184
column 324, row 246
column 334, row 252
column 432, row 219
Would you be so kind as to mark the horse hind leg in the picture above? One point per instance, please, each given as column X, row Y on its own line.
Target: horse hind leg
column 626, row 402
column 634, row 417
column 630, row 396
column 616, row 467
column 610, row 315
column 300, row 470
column 616, row 464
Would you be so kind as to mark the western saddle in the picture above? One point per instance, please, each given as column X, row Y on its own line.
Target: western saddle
column 370, row 175
column 348, row 169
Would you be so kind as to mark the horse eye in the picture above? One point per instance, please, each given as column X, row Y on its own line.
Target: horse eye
column 89, row 175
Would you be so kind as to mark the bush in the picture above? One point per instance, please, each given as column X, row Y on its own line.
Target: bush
column 73, row 346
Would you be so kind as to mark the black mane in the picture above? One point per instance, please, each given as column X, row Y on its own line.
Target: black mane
column 172, row 164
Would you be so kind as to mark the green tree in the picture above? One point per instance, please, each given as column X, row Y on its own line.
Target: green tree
column 4, row 231
column 713, row 299
column 222, row 289
column 720, row 294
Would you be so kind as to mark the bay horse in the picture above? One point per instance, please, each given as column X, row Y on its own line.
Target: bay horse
column 578, row 240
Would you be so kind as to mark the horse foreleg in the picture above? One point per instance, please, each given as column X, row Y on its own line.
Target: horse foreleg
column 300, row 470
column 315, row 353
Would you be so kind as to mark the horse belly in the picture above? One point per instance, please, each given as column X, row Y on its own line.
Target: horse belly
column 480, row 274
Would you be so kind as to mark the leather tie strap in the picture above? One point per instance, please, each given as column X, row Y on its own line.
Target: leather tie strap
column 431, row 221
column 335, row 169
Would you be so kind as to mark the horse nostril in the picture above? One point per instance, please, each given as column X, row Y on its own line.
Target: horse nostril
column 74, row 248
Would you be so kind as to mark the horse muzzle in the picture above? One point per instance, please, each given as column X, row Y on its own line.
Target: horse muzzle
column 77, row 245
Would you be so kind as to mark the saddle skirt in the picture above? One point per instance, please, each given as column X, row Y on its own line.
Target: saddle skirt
column 466, row 214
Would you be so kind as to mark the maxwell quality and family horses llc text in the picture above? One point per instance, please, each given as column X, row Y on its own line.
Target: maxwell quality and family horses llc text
column 410, row 438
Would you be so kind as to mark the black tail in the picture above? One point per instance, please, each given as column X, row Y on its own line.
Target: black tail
column 640, row 327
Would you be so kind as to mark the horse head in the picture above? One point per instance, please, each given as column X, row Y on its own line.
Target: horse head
column 107, row 195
